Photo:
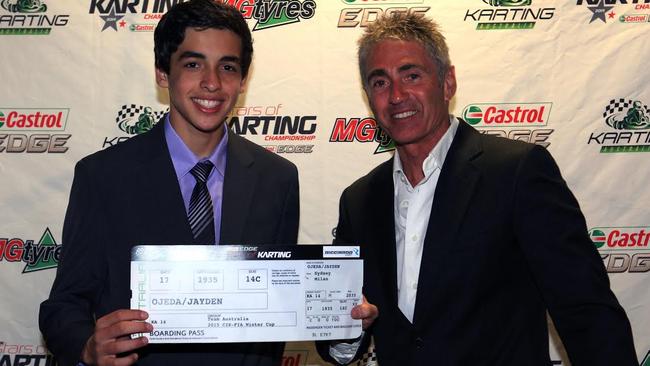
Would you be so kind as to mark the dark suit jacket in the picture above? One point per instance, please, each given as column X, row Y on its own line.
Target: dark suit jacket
column 128, row 195
column 506, row 242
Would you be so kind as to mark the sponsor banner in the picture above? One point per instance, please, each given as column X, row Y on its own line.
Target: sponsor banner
column 270, row 14
column 623, row 249
column 44, row 254
column 627, row 130
column 621, row 11
column 29, row 18
column 25, row 130
column 365, row 12
column 278, row 131
column 508, row 14
column 294, row 358
column 516, row 121
column 361, row 129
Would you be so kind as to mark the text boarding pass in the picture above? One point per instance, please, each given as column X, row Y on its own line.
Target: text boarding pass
column 232, row 293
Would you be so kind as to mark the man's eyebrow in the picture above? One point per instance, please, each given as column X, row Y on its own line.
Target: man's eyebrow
column 407, row 67
column 375, row 73
column 235, row 59
column 191, row 54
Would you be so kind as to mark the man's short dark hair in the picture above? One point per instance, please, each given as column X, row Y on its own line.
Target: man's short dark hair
column 199, row 14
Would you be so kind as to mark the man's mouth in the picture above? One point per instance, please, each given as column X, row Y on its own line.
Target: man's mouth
column 207, row 103
column 404, row 114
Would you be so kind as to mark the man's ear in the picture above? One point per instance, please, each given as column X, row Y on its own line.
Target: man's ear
column 242, row 84
column 162, row 78
column 449, row 86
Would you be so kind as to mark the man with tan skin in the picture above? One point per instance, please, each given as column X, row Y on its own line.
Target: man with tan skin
column 468, row 239
column 203, row 52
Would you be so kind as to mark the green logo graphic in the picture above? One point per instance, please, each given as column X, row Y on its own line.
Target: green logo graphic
column 135, row 120
column 635, row 118
column 598, row 237
column 44, row 261
column 2, row 119
column 23, row 6
column 473, row 115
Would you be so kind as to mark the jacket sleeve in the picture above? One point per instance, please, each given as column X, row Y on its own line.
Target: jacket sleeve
column 66, row 318
column 566, row 266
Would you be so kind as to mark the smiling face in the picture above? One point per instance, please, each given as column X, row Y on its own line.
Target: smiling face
column 405, row 94
column 204, row 82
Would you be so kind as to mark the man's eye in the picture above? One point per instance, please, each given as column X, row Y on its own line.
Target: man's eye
column 413, row 76
column 191, row 65
column 379, row 83
column 231, row 68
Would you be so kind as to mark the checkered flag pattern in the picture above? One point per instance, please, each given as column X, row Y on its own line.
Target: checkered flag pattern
column 369, row 358
column 130, row 111
column 620, row 105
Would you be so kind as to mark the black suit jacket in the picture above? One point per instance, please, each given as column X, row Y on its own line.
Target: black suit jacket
column 506, row 242
column 129, row 194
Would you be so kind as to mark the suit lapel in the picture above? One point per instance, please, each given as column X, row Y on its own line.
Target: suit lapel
column 160, row 191
column 383, row 220
column 456, row 185
column 238, row 187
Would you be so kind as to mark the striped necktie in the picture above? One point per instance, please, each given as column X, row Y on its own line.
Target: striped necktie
column 201, row 215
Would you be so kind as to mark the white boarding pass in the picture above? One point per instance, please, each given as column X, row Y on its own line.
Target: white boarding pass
column 233, row 293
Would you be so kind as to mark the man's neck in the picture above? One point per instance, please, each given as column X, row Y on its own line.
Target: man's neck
column 412, row 156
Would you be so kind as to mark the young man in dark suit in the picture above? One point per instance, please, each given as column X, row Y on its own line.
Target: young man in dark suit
column 143, row 192
column 468, row 239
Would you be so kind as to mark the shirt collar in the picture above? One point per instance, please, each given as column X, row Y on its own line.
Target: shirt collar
column 436, row 156
column 184, row 159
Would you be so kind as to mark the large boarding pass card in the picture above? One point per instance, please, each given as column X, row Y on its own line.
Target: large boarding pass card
column 231, row 293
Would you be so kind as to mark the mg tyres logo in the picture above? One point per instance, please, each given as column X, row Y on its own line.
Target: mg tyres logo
column 44, row 254
column 508, row 14
column 133, row 119
column 631, row 11
column 274, row 13
column 361, row 130
column 28, row 17
column 628, row 127
column 27, row 130
column 516, row 121
column 278, row 131
column 367, row 11
column 623, row 249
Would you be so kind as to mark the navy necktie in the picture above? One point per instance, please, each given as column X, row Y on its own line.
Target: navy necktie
column 201, row 214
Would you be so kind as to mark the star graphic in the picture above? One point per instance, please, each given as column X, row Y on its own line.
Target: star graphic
column 111, row 19
column 611, row 14
column 122, row 24
column 599, row 11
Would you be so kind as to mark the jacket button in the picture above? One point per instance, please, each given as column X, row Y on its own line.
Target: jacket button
column 419, row 343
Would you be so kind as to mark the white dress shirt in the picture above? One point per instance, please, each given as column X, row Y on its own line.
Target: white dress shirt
column 412, row 211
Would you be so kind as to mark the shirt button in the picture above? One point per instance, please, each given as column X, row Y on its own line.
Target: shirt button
column 405, row 203
column 415, row 286
column 414, row 238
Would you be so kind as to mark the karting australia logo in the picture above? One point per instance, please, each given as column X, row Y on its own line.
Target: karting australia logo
column 517, row 121
column 631, row 121
column 365, row 12
column 274, row 13
column 28, row 17
column 38, row 256
column 274, row 129
column 28, row 130
column 631, row 11
column 623, row 249
column 508, row 14
column 133, row 119
column 361, row 130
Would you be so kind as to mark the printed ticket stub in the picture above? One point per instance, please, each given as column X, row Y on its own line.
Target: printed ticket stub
column 232, row 293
